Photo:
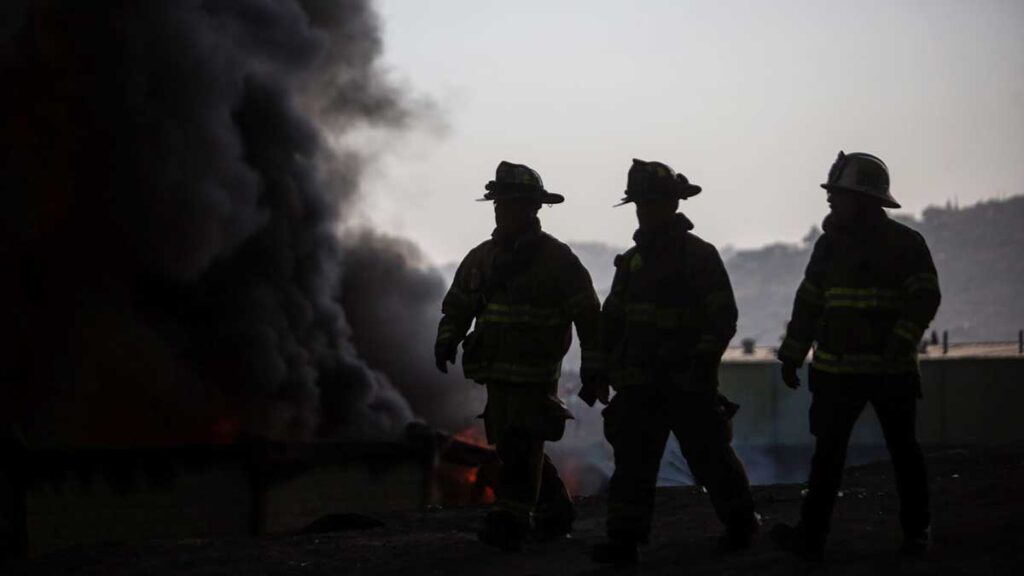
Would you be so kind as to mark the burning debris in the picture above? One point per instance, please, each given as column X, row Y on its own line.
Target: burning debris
column 169, row 221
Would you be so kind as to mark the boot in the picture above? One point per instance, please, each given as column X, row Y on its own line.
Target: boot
column 796, row 541
column 503, row 530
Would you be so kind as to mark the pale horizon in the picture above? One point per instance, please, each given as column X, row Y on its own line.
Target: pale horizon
column 750, row 100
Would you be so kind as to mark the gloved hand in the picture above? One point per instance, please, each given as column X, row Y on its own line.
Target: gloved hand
column 444, row 354
column 595, row 386
column 789, row 375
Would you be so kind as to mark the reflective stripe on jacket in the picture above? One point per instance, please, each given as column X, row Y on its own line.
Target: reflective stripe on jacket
column 671, row 304
column 521, row 314
column 863, row 288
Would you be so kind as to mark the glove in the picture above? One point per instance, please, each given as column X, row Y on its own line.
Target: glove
column 595, row 387
column 789, row 375
column 444, row 354
column 728, row 407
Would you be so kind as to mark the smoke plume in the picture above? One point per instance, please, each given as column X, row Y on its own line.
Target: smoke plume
column 168, row 219
column 392, row 304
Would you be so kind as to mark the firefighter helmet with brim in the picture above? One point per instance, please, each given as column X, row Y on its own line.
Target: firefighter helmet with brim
column 656, row 180
column 861, row 173
column 518, row 181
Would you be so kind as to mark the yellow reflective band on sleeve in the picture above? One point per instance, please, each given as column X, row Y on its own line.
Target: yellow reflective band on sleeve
column 864, row 298
column 522, row 315
column 909, row 330
column 445, row 332
column 923, row 281
column 810, row 293
column 863, row 363
column 793, row 350
column 662, row 317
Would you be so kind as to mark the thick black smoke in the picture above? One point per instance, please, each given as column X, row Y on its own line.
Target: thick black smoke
column 392, row 303
column 168, row 216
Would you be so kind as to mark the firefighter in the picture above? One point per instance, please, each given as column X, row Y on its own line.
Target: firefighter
column 868, row 295
column 666, row 323
column 524, row 289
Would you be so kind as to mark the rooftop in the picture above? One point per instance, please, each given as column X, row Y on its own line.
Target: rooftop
column 957, row 351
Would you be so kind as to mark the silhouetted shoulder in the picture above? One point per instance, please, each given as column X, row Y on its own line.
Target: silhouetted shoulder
column 904, row 234
column 484, row 246
column 557, row 249
column 480, row 252
column 822, row 244
column 700, row 248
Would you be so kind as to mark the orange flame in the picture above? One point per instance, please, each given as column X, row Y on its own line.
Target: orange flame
column 461, row 485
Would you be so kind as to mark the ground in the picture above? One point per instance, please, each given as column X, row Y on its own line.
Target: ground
column 978, row 529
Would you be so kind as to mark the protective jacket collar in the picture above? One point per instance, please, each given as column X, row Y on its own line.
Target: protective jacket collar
column 515, row 252
column 649, row 239
column 865, row 222
column 507, row 240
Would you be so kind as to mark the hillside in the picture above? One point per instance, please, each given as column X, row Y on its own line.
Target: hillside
column 977, row 251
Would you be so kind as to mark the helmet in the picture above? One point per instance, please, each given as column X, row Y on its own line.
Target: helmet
column 518, row 181
column 861, row 173
column 656, row 180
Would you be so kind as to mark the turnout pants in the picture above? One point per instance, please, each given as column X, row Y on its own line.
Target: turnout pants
column 637, row 423
column 519, row 418
column 836, row 404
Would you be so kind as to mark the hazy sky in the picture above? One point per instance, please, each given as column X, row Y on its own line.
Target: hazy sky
column 750, row 99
